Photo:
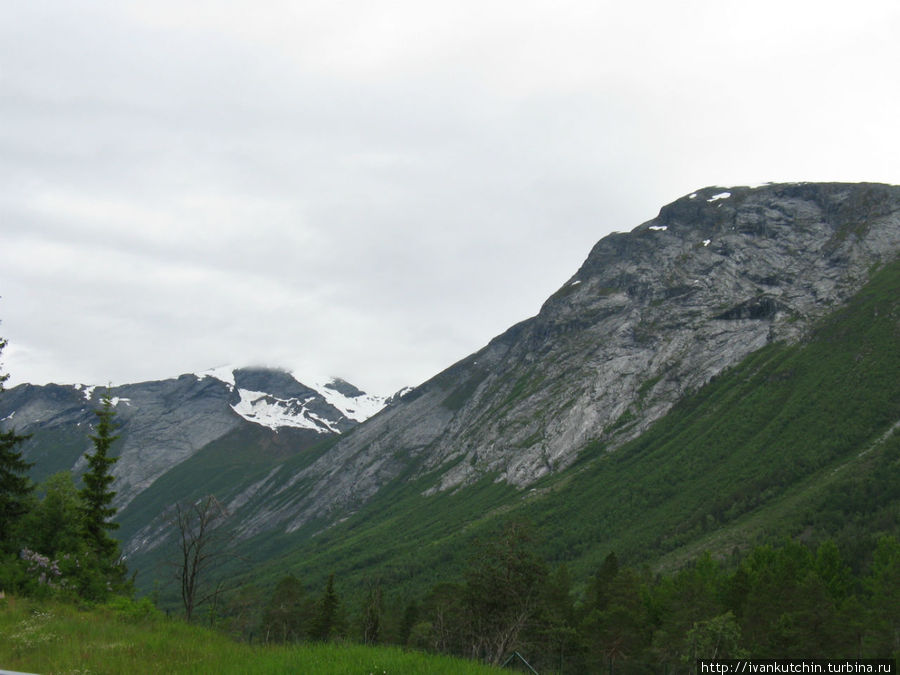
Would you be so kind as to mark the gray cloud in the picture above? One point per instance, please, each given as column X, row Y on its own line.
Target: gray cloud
column 374, row 191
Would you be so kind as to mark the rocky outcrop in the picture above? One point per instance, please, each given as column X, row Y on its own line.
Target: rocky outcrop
column 651, row 315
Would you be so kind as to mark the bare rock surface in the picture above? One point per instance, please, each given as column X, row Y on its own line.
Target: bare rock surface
column 649, row 316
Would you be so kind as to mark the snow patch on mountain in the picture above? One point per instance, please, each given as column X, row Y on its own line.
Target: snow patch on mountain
column 278, row 411
column 358, row 407
column 273, row 412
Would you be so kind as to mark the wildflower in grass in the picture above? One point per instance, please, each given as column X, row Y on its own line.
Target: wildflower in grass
column 33, row 632
column 47, row 571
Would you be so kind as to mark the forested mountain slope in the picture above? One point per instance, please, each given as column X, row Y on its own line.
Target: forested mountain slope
column 650, row 316
column 582, row 417
column 700, row 380
column 799, row 440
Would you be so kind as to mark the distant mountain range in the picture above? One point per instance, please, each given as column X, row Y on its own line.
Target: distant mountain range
column 163, row 423
column 590, row 413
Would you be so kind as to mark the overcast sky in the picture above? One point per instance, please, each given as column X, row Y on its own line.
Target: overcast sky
column 375, row 189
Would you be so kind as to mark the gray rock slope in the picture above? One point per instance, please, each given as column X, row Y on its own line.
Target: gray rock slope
column 651, row 315
column 163, row 423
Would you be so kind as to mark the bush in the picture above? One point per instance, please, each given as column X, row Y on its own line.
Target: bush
column 133, row 611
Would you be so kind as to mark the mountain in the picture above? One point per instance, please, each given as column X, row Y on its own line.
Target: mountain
column 708, row 374
column 650, row 316
column 163, row 423
column 723, row 374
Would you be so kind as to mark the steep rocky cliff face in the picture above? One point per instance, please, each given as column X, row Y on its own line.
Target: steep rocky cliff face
column 650, row 315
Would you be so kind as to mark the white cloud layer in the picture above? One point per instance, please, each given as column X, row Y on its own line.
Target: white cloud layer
column 374, row 190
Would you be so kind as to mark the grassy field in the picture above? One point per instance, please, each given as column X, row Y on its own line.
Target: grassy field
column 50, row 637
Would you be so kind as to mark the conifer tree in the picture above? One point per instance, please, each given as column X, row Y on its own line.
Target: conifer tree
column 288, row 614
column 15, row 486
column 96, row 494
column 327, row 620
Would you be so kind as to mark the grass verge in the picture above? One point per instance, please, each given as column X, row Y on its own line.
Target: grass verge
column 52, row 637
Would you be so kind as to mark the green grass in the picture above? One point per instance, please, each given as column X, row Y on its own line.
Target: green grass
column 49, row 637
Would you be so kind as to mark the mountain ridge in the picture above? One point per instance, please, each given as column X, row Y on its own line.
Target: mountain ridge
column 164, row 422
column 651, row 317
column 797, row 440
column 656, row 312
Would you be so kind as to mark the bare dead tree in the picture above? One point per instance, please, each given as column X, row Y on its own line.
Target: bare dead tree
column 203, row 546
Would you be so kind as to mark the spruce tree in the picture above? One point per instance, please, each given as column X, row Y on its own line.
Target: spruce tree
column 327, row 620
column 96, row 494
column 287, row 616
column 15, row 486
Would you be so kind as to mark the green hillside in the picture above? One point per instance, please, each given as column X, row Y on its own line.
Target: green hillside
column 796, row 440
column 778, row 479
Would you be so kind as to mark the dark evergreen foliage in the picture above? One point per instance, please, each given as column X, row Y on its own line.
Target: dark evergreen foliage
column 97, row 495
column 327, row 621
column 774, row 602
column 54, row 525
column 58, row 544
column 15, row 486
column 289, row 614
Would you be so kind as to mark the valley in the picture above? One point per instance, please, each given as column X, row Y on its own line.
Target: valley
column 719, row 381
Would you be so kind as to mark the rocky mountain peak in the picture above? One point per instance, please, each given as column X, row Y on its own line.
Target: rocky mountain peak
column 164, row 422
column 651, row 315
column 344, row 388
column 273, row 381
